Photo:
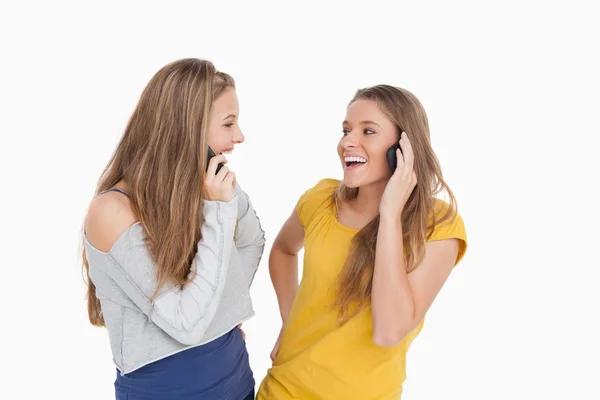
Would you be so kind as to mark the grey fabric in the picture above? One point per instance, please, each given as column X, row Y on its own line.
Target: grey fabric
column 211, row 304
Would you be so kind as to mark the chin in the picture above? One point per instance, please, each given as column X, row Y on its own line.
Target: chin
column 351, row 183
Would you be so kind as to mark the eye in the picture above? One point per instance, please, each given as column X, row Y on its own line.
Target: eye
column 345, row 132
column 368, row 131
column 229, row 125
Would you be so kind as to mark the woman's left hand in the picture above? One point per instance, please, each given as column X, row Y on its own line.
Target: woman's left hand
column 243, row 333
column 402, row 182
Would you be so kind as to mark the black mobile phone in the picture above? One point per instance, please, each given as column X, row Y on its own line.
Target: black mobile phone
column 211, row 154
column 390, row 154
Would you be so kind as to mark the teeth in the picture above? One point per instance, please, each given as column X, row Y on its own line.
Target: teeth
column 355, row 159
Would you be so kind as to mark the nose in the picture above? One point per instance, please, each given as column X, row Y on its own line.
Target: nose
column 350, row 141
column 238, row 137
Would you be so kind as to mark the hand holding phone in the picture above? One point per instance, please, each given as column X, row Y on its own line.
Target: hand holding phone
column 211, row 154
column 402, row 182
column 390, row 154
column 219, row 186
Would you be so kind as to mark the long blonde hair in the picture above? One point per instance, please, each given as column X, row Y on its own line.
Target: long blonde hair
column 162, row 157
column 418, row 220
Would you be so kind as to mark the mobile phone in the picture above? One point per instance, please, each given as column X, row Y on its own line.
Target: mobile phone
column 390, row 154
column 211, row 154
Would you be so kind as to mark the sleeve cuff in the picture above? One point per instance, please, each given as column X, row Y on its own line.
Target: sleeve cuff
column 222, row 210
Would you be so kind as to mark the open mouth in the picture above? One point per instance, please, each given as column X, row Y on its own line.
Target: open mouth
column 354, row 162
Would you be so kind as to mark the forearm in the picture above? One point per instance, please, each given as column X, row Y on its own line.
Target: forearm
column 185, row 313
column 392, row 302
column 182, row 312
column 283, row 268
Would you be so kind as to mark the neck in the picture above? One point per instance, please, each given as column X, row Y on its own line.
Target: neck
column 368, row 199
column 121, row 185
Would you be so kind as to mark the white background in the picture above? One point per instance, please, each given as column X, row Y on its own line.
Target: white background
column 511, row 90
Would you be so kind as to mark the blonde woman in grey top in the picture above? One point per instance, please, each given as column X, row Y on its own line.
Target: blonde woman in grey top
column 172, row 243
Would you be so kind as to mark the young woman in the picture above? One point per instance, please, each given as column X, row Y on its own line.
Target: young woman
column 378, row 248
column 172, row 246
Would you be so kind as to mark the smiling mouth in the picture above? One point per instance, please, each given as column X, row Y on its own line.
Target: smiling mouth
column 353, row 165
column 354, row 162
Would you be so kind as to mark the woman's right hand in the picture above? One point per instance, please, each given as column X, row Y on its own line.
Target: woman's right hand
column 275, row 350
column 219, row 187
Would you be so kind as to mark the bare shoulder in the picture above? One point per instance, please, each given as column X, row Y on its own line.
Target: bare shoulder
column 108, row 217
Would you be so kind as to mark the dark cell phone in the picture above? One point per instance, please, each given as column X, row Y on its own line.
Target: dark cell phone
column 390, row 154
column 211, row 154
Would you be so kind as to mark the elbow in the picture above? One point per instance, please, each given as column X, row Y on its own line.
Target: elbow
column 185, row 336
column 191, row 335
column 188, row 340
column 258, row 243
column 278, row 254
column 262, row 240
column 391, row 336
column 388, row 339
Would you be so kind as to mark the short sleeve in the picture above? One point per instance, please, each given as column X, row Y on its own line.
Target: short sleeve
column 451, row 228
column 315, row 201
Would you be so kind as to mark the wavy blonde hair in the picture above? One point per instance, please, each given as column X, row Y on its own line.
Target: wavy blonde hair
column 418, row 219
column 162, row 157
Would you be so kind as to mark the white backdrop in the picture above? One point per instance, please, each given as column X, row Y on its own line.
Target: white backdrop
column 511, row 90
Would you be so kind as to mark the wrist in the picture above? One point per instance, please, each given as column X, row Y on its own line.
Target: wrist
column 386, row 216
column 226, row 200
column 223, row 210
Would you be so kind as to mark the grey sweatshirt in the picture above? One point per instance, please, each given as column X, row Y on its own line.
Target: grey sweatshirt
column 214, row 302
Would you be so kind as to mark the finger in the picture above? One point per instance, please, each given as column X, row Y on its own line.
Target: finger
column 399, row 160
column 222, row 175
column 214, row 162
column 407, row 151
column 241, row 330
column 229, row 180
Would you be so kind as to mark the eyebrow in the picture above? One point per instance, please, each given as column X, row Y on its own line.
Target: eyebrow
column 364, row 123
column 229, row 116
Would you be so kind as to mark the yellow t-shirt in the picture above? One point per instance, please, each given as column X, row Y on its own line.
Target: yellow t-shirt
column 318, row 358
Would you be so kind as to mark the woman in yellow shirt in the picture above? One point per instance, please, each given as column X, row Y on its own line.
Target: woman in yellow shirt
column 378, row 247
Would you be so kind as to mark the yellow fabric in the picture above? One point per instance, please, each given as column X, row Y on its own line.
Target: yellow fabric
column 318, row 359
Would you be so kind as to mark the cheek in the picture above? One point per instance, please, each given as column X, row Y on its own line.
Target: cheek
column 340, row 149
column 212, row 131
column 378, row 159
column 215, row 138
